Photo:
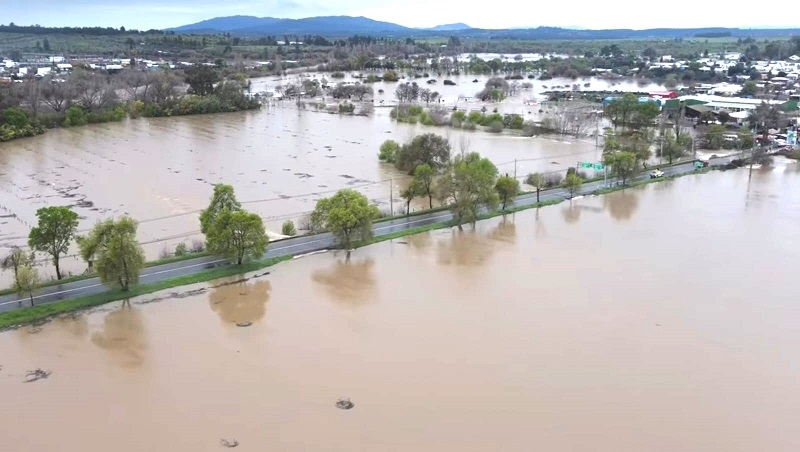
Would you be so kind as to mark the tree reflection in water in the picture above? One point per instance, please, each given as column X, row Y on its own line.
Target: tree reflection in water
column 348, row 281
column 471, row 248
column 622, row 205
column 240, row 302
column 123, row 336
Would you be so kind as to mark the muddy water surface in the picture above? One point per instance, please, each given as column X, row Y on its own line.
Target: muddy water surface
column 656, row 319
column 280, row 160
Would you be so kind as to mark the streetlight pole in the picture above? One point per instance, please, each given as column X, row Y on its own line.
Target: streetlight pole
column 391, row 196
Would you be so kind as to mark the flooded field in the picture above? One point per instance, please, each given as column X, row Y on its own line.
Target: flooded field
column 656, row 319
column 280, row 160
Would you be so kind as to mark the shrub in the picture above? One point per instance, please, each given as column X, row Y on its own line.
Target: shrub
column 488, row 120
column 288, row 228
column 347, row 107
column 75, row 117
column 181, row 249
column 458, row 115
column 164, row 253
column 390, row 76
column 337, row 74
column 529, row 129
column 388, row 151
column 496, row 127
column 469, row 125
column 475, row 117
column 513, row 121
column 136, row 108
column 198, row 246
column 553, row 180
column 415, row 110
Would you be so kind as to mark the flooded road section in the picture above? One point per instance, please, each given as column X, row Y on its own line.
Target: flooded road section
column 280, row 160
column 657, row 319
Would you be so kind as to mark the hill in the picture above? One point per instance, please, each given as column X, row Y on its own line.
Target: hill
column 344, row 26
column 450, row 27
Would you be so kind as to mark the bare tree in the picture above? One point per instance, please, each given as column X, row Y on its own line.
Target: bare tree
column 163, row 88
column 569, row 121
column 136, row 83
column 57, row 95
column 93, row 91
column 33, row 94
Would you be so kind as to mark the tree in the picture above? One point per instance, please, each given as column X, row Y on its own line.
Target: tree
column 222, row 200
column 673, row 148
column 507, row 188
column 57, row 95
column 707, row 117
column 423, row 181
column 573, row 184
column 201, row 80
column 467, row 184
column 537, row 181
column 715, row 136
column 54, row 232
column 622, row 164
column 27, row 280
column 46, row 45
column 408, row 195
column 428, row 148
column 92, row 90
column 745, row 139
column 724, row 117
column 749, row 89
column 15, row 260
column 237, row 234
column 114, row 252
column 347, row 214
column 389, row 151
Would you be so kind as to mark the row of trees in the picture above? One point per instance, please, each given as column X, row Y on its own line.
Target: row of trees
column 86, row 96
column 111, row 249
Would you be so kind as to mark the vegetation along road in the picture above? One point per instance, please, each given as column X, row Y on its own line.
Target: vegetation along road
column 305, row 244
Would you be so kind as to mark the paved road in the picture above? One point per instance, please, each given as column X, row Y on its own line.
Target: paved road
column 297, row 245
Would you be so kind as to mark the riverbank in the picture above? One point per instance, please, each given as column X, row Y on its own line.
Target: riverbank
column 219, row 268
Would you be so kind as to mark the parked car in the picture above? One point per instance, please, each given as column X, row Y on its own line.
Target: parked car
column 656, row 174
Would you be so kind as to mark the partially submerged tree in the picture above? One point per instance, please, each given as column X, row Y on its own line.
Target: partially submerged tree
column 114, row 252
column 389, row 151
column 507, row 188
column 54, row 233
column 15, row 260
column 27, row 280
column 222, row 200
column 428, row 148
column 537, row 181
column 423, row 181
column 467, row 185
column 622, row 164
column 237, row 234
column 347, row 214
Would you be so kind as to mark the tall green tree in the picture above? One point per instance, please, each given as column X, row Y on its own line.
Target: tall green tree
column 408, row 194
column 537, row 181
column 423, row 181
column 623, row 164
column 201, row 80
column 14, row 260
column 715, row 136
column 388, row 151
column 53, row 233
column 466, row 185
column 673, row 148
column 507, row 188
column 239, row 235
column 222, row 200
column 347, row 214
column 112, row 249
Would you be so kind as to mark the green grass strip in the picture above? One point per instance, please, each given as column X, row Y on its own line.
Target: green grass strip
column 37, row 313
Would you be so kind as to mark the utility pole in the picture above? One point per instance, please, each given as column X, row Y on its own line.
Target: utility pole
column 391, row 196
column 515, row 169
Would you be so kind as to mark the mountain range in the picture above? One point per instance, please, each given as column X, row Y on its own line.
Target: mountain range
column 345, row 26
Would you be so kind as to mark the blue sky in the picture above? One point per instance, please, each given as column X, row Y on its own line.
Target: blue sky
column 144, row 14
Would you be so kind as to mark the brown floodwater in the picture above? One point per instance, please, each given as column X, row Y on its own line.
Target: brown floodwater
column 280, row 160
column 657, row 319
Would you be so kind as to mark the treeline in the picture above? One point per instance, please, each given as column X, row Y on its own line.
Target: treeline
column 85, row 97
column 87, row 31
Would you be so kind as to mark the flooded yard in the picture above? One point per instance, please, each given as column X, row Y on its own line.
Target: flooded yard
column 655, row 319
